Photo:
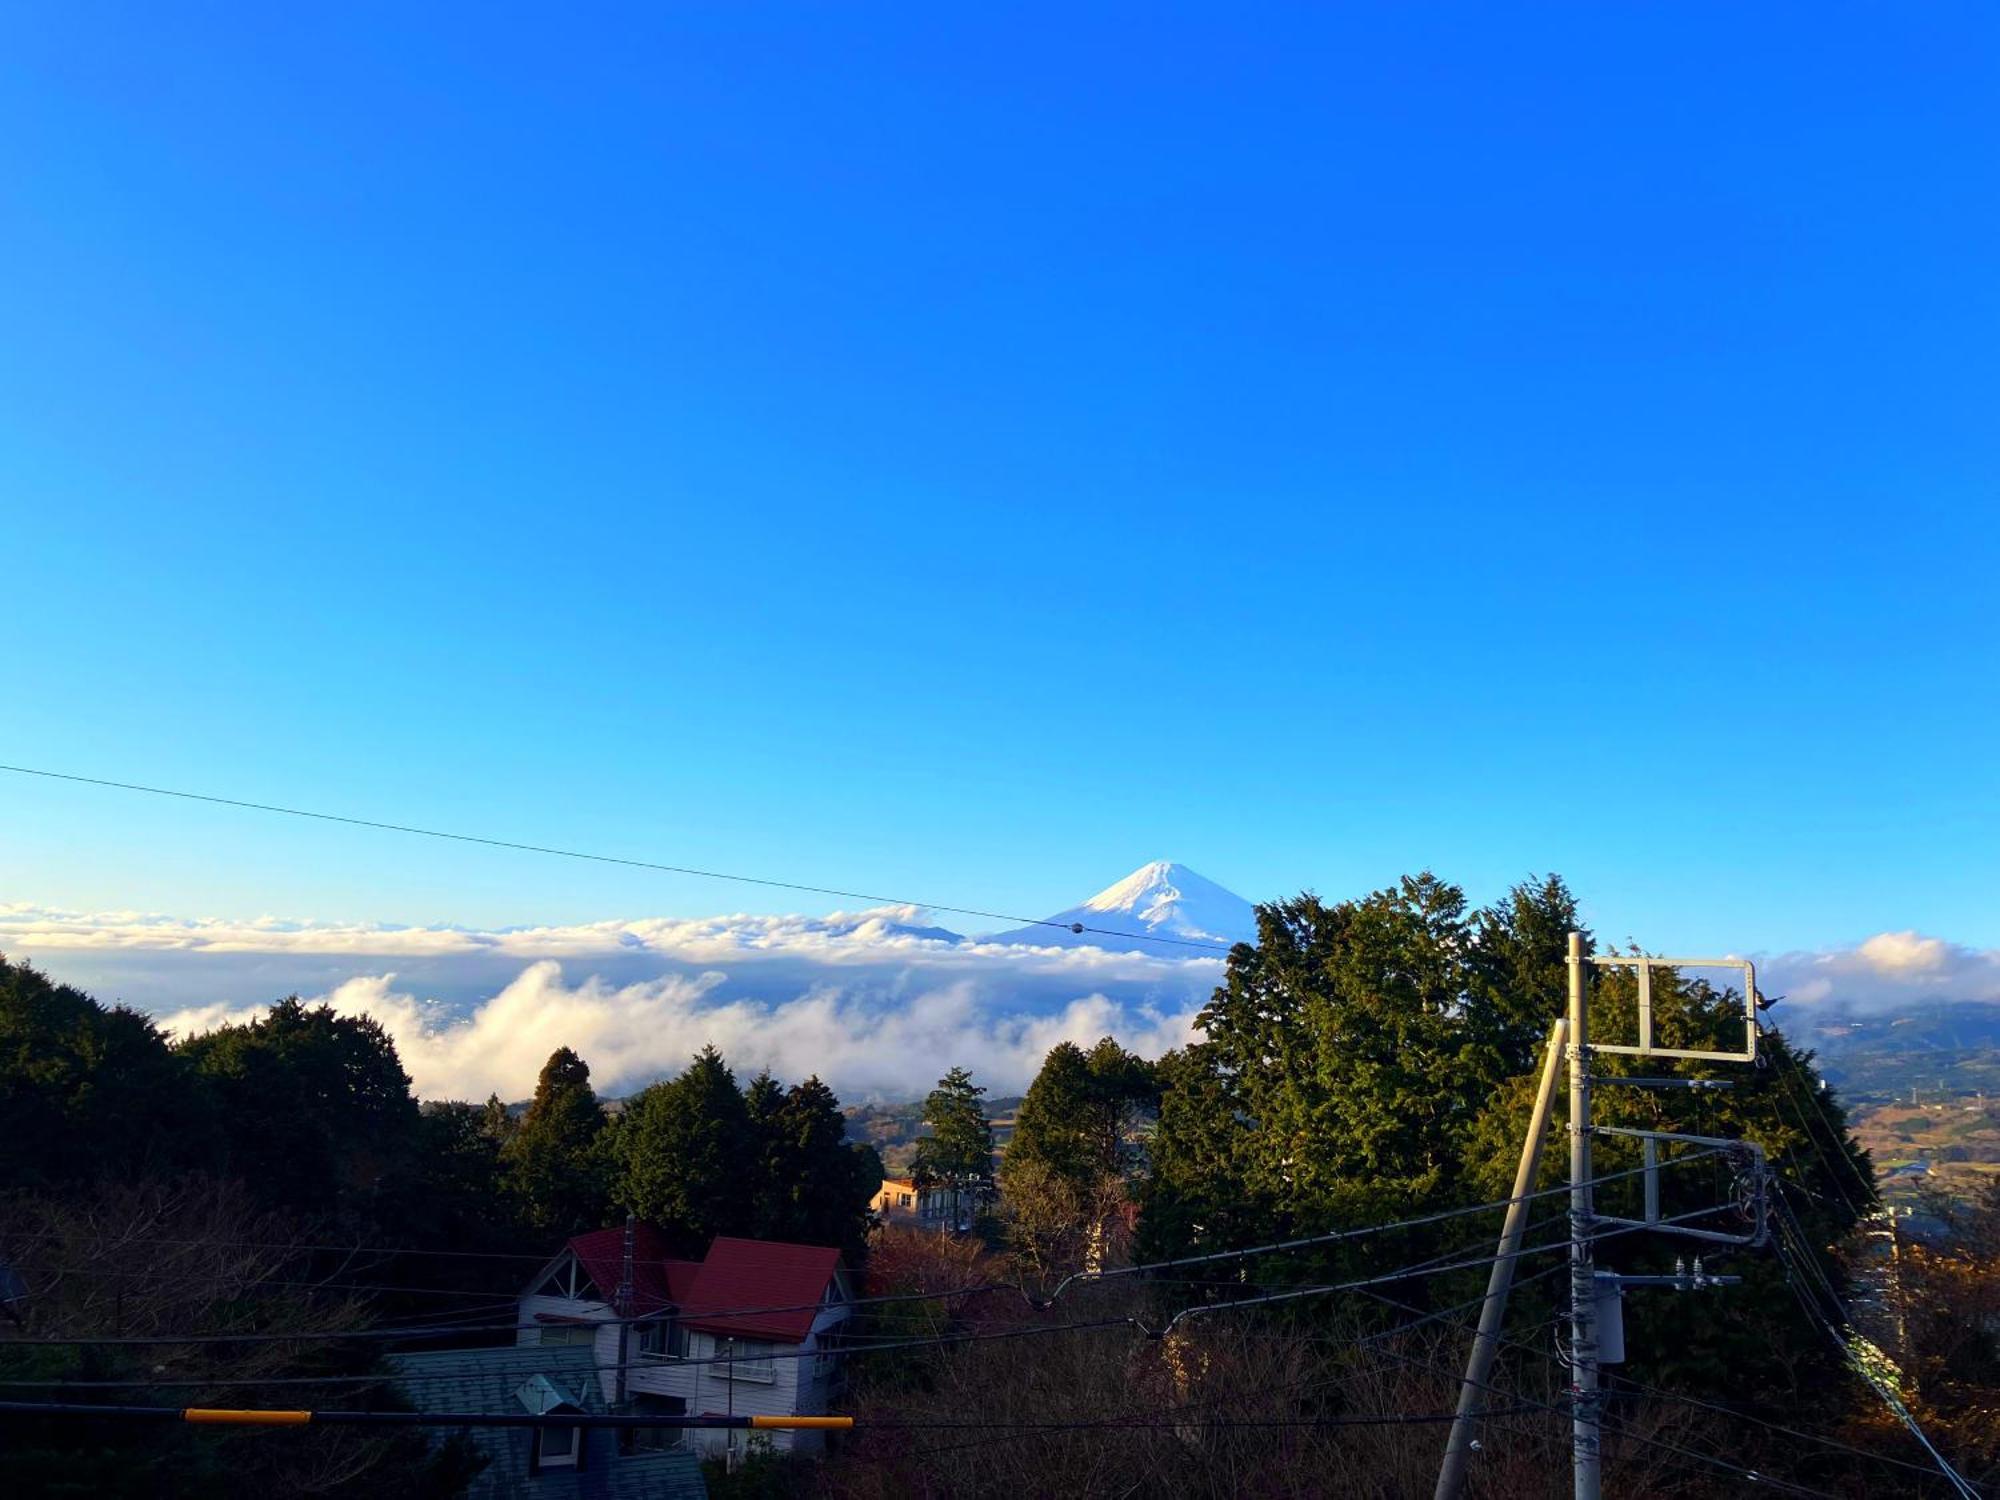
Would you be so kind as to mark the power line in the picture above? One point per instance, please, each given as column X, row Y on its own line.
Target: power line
column 156, row 1277
column 1219, row 1399
column 1429, row 1267
column 1618, row 1430
column 380, row 825
column 1015, row 1428
column 306, row 1417
column 1454, row 1316
column 1778, row 1427
column 976, row 1289
column 471, row 1363
column 1888, row 1396
column 1788, row 1087
column 1339, row 1236
column 1419, row 1268
column 1799, row 1265
column 1513, row 1342
column 536, row 1257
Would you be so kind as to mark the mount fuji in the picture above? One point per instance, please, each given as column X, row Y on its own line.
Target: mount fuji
column 1159, row 900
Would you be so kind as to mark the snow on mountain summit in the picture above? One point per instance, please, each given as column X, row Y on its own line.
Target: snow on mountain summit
column 1161, row 899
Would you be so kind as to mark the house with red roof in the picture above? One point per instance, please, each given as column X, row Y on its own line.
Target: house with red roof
column 752, row 1328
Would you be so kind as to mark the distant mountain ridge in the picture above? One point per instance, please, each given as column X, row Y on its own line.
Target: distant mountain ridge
column 1944, row 1049
column 1158, row 900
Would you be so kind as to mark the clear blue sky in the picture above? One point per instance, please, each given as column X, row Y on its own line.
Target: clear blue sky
column 969, row 455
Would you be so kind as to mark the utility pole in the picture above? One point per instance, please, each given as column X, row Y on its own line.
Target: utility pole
column 1586, row 1451
column 1493, row 1312
column 621, row 1306
column 1596, row 1321
column 729, row 1379
column 1896, row 1288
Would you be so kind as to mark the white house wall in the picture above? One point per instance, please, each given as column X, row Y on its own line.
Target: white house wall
column 705, row 1389
column 535, row 1312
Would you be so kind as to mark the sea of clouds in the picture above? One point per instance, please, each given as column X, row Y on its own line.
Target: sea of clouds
column 878, row 1003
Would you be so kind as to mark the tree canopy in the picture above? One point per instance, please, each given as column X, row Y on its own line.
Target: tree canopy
column 1078, row 1116
column 684, row 1154
column 1372, row 1060
column 958, row 1152
column 90, row 1092
column 555, row 1167
column 321, row 1117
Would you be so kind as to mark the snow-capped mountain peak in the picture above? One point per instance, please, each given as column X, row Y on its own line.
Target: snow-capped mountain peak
column 1157, row 900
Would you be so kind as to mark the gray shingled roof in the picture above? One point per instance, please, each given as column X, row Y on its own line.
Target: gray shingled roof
column 485, row 1380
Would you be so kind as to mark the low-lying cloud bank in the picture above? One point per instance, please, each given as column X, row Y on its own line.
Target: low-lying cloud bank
column 1888, row 971
column 632, row 1034
column 878, row 1003
column 637, row 1033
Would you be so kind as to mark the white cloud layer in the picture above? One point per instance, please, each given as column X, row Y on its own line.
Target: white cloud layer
column 1888, row 970
column 865, row 937
column 878, row 1003
column 632, row 1034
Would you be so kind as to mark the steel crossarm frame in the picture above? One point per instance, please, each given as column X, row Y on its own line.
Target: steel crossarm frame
column 1649, row 1141
column 1645, row 966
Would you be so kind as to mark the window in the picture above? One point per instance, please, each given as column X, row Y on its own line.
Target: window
column 653, row 1438
column 666, row 1340
column 558, row 1447
column 826, row 1353
column 554, row 1334
column 747, row 1359
column 902, row 1200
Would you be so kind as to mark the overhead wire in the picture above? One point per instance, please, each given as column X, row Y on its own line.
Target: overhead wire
column 1517, row 1342
column 1222, row 1398
column 1428, row 1267
column 982, row 1288
column 614, row 1420
column 1619, row 1429
column 1791, row 1085
column 518, row 846
column 1886, row 1393
column 1431, row 1267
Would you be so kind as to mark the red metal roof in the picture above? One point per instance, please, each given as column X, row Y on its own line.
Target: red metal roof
column 657, row 1281
column 762, row 1276
column 759, row 1274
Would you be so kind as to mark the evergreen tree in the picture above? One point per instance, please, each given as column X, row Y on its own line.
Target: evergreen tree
column 1348, row 1052
column 90, row 1092
column 319, row 1109
column 683, row 1155
column 553, row 1163
column 812, row 1185
column 1519, row 969
column 497, row 1121
column 1063, row 1176
column 770, row 1198
column 1079, row 1114
column 958, row 1153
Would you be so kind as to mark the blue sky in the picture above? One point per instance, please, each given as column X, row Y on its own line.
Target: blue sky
column 964, row 457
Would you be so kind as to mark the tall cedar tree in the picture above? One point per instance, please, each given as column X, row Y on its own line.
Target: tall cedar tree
column 90, row 1093
column 812, row 1185
column 320, row 1114
column 958, row 1153
column 683, row 1155
column 554, row 1165
column 1345, row 1057
column 1078, row 1115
